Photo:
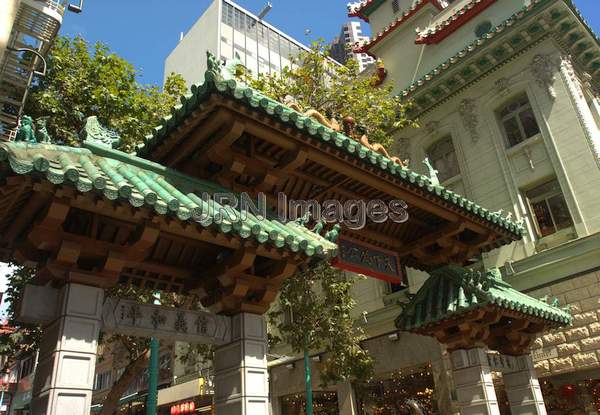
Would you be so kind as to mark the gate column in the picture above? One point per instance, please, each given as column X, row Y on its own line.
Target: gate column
column 241, row 376
column 67, row 358
column 523, row 389
column 474, row 384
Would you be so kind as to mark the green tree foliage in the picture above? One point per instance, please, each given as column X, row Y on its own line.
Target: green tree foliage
column 84, row 80
column 319, row 301
column 27, row 336
column 319, row 298
column 337, row 91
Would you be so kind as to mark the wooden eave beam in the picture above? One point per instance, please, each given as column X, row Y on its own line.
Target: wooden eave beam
column 227, row 271
column 197, row 138
column 189, row 124
column 26, row 215
column 284, row 137
column 444, row 233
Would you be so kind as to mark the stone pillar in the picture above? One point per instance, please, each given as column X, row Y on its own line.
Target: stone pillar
column 64, row 376
column 346, row 399
column 474, row 384
column 523, row 389
column 241, row 377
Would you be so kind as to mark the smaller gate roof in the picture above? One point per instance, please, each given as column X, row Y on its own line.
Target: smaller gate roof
column 452, row 292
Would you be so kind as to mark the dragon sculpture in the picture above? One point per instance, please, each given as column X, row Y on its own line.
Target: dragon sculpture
column 348, row 124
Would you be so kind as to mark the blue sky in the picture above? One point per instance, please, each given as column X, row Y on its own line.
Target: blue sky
column 145, row 31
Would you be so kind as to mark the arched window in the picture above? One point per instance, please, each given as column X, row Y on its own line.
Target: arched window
column 518, row 120
column 442, row 156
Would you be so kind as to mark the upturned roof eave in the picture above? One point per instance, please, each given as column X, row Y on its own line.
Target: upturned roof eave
column 459, row 292
column 312, row 128
column 144, row 184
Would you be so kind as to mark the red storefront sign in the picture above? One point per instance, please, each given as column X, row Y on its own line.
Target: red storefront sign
column 362, row 258
column 183, row 408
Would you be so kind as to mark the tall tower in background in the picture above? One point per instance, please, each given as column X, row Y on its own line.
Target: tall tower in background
column 343, row 45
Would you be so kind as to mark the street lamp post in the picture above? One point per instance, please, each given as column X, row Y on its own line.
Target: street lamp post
column 308, row 381
column 152, row 400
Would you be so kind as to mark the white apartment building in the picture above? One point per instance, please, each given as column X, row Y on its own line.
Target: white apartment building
column 342, row 47
column 226, row 30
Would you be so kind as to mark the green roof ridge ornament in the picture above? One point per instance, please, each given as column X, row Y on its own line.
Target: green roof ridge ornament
column 495, row 274
column 213, row 65
column 26, row 132
column 333, row 234
column 216, row 71
column 95, row 132
column 41, row 132
column 318, row 228
column 433, row 173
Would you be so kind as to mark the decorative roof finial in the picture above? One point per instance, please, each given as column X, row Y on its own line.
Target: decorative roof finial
column 216, row 71
column 213, row 67
column 233, row 68
column 95, row 132
column 318, row 228
column 433, row 173
column 333, row 234
column 26, row 132
column 304, row 219
column 41, row 132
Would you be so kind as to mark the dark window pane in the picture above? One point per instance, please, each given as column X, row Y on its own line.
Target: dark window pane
column 547, row 189
column 443, row 158
column 560, row 212
column 529, row 123
column 513, row 133
column 543, row 218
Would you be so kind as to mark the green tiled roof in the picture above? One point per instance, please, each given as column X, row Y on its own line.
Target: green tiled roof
column 215, row 83
column 451, row 291
column 142, row 183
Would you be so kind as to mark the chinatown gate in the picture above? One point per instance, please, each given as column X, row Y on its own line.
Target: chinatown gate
column 92, row 217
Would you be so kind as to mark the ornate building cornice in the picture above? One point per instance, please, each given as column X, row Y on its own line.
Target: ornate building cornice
column 525, row 29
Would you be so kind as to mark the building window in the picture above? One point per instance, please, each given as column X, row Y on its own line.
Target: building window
column 549, row 208
column 103, row 380
column 395, row 6
column 442, row 157
column 518, row 121
column 27, row 366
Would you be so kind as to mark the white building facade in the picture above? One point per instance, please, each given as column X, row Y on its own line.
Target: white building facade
column 227, row 30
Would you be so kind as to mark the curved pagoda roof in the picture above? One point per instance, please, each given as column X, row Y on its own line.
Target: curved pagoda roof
column 113, row 174
column 465, row 308
column 263, row 139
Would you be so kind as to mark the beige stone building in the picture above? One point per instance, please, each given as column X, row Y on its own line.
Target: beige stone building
column 506, row 93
